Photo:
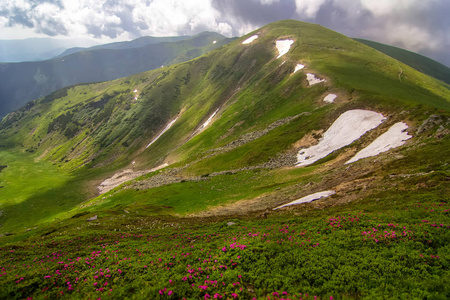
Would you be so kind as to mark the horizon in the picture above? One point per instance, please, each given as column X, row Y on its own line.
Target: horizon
column 414, row 25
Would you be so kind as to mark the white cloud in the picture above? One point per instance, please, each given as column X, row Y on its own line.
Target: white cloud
column 170, row 17
column 391, row 7
column 407, row 36
column 269, row 2
column 309, row 8
column 414, row 24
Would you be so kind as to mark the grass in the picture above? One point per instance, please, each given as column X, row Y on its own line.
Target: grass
column 343, row 252
column 417, row 61
column 34, row 190
column 24, row 177
column 327, row 248
column 190, row 197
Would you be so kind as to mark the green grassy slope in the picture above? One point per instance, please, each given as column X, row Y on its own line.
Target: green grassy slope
column 239, row 167
column 92, row 130
column 44, row 77
column 417, row 61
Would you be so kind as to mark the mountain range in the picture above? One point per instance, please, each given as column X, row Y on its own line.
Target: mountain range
column 291, row 162
column 99, row 63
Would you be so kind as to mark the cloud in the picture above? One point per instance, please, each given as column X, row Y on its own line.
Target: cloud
column 418, row 25
column 308, row 8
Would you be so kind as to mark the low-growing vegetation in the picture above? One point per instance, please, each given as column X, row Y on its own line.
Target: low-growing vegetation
column 335, row 254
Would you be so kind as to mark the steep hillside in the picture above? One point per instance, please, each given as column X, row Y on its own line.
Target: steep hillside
column 44, row 77
column 293, row 139
column 417, row 61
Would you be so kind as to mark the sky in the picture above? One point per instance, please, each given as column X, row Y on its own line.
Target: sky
column 421, row 26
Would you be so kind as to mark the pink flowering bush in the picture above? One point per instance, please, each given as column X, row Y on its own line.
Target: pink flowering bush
column 288, row 258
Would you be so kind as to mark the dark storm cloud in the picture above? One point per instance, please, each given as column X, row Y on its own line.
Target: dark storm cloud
column 417, row 25
column 50, row 27
column 16, row 16
column 421, row 26
column 27, row 16
column 254, row 12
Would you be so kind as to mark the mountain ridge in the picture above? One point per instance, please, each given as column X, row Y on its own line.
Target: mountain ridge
column 44, row 77
column 417, row 61
column 213, row 148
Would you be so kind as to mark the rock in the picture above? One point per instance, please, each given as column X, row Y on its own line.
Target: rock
column 430, row 123
column 92, row 218
column 231, row 223
column 8, row 233
column 442, row 132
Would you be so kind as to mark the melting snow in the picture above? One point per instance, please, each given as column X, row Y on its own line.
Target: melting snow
column 250, row 39
column 283, row 47
column 312, row 79
column 207, row 121
column 298, row 67
column 393, row 138
column 330, row 98
column 214, row 42
column 349, row 127
column 124, row 176
column 308, row 198
column 162, row 132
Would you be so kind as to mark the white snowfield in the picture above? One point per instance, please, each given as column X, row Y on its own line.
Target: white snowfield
column 200, row 129
column 283, row 47
column 214, row 42
column 312, row 79
column 330, row 98
column 162, row 132
column 308, row 198
column 250, row 39
column 298, row 67
column 395, row 137
column 349, row 127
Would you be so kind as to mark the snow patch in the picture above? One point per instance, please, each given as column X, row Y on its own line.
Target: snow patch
column 122, row 177
column 200, row 129
column 330, row 98
column 312, row 79
column 395, row 137
column 298, row 67
column 162, row 132
column 349, row 127
column 283, row 47
column 309, row 198
column 250, row 39
column 214, row 42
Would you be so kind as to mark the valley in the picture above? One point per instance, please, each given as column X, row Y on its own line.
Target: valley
column 179, row 182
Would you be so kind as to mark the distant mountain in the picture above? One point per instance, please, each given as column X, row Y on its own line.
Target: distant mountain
column 419, row 62
column 36, row 49
column 22, row 82
column 293, row 162
column 139, row 42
